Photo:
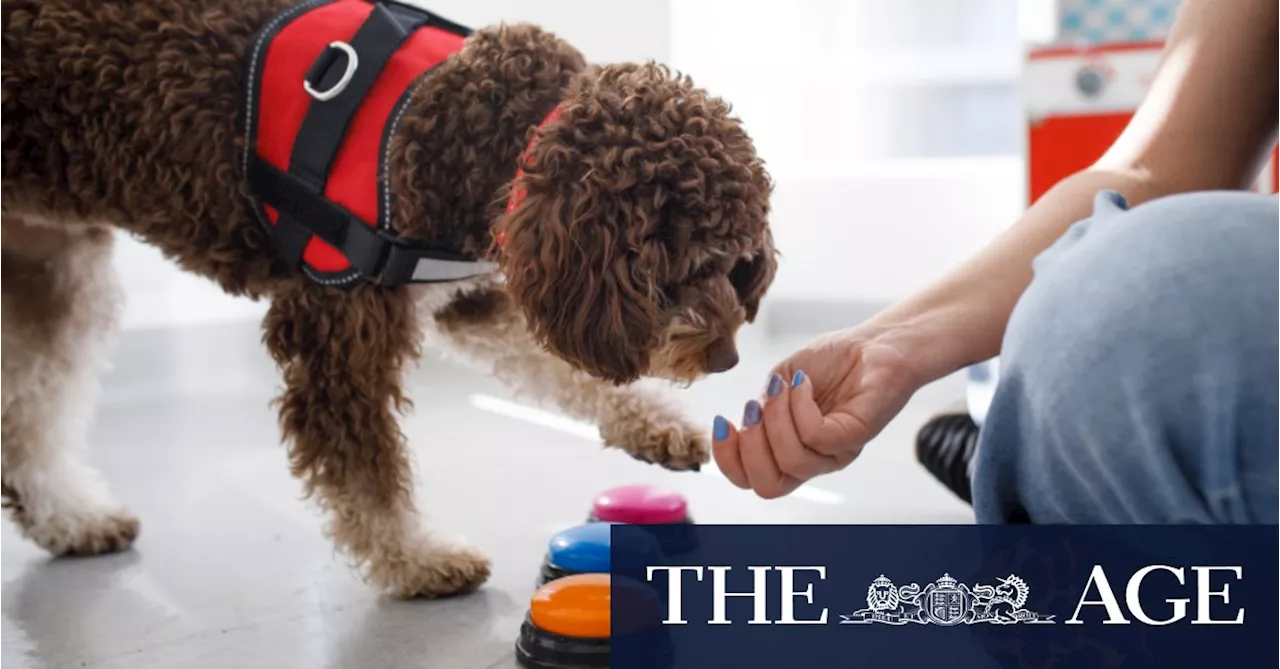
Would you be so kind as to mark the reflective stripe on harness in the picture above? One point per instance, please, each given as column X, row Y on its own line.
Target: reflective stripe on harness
column 329, row 81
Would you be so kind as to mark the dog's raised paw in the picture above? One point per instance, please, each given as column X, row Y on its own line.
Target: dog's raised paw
column 441, row 571
column 85, row 536
column 676, row 445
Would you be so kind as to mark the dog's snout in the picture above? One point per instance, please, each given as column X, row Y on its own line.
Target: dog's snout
column 722, row 357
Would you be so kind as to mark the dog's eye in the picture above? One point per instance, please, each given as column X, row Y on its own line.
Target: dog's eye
column 744, row 273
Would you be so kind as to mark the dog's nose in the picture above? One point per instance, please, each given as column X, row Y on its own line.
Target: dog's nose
column 722, row 357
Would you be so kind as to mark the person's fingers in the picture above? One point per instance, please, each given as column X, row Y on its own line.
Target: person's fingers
column 793, row 458
column 767, row 480
column 725, row 449
column 833, row 434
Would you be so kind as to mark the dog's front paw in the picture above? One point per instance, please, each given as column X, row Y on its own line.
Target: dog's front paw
column 436, row 571
column 660, row 439
column 87, row 535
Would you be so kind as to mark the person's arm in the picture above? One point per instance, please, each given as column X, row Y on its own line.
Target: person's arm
column 1207, row 123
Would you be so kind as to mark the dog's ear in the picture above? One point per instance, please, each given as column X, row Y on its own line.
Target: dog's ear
column 589, row 296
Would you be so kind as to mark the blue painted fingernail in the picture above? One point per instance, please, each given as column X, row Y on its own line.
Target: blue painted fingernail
column 721, row 430
column 775, row 385
column 751, row 415
column 797, row 379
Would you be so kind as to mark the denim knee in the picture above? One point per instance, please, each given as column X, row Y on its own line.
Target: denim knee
column 1139, row 370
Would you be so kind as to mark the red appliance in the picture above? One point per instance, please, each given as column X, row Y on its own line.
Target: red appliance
column 1079, row 99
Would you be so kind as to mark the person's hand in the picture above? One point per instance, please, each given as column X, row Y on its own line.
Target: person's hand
column 821, row 406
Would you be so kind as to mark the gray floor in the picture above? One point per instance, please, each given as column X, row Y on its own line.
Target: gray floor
column 231, row 569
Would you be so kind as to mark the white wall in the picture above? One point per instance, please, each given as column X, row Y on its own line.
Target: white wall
column 604, row 30
column 874, row 235
column 891, row 131
column 159, row 295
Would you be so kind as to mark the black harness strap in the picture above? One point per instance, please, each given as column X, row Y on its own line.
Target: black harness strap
column 338, row 82
column 295, row 201
column 372, row 251
column 403, row 8
column 326, row 122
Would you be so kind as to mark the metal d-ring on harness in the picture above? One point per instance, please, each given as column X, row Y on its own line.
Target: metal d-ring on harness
column 337, row 83
column 325, row 63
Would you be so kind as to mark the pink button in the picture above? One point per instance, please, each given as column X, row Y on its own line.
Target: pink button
column 640, row 505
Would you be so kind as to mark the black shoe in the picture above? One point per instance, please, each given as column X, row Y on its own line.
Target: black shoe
column 945, row 446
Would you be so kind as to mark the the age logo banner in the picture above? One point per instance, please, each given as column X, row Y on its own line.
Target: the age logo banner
column 945, row 596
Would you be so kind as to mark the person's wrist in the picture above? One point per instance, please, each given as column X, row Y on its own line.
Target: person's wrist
column 903, row 340
column 930, row 349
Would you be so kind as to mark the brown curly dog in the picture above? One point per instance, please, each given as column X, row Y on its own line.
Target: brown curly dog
column 641, row 247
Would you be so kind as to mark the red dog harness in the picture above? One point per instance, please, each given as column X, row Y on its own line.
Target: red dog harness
column 328, row 83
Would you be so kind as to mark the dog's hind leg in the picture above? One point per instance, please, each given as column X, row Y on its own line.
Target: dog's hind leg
column 486, row 328
column 60, row 308
column 343, row 353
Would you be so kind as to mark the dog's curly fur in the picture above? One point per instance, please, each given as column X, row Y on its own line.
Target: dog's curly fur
column 640, row 249
column 643, row 228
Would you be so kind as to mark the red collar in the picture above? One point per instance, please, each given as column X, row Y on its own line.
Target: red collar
column 518, row 192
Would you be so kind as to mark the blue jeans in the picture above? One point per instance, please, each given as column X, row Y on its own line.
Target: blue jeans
column 1138, row 375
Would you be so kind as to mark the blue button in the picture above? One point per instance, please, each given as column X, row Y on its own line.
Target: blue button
column 581, row 549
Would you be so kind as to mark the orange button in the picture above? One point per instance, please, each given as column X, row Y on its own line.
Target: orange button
column 575, row 606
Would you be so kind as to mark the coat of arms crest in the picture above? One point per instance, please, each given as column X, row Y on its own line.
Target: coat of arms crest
column 946, row 602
